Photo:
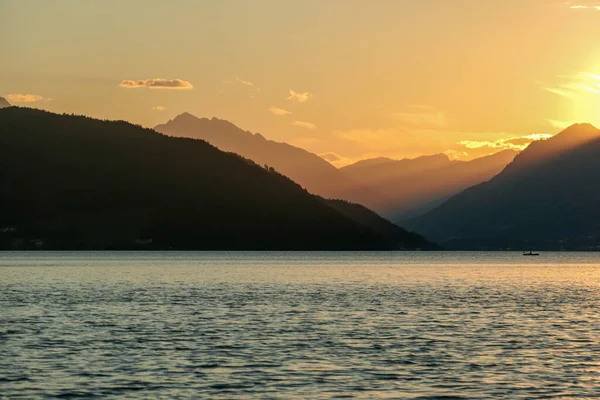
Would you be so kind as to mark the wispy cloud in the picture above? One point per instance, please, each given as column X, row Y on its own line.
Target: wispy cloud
column 159, row 108
column 583, row 5
column 279, row 111
column 421, row 116
column 157, row 83
column 252, row 90
column 416, row 130
column 305, row 125
column 299, row 97
column 244, row 82
column 456, row 154
column 405, row 142
column 336, row 159
column 25, row 98
column 574, row 86
column 377, row 140
column 515, row 143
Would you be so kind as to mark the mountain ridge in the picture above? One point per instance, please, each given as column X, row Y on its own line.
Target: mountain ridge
column 74, row 182
column 319, row 176
column 307, row 169
column 410, row 187
column 545, row 198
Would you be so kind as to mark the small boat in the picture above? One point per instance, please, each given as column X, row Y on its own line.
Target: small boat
column 531, row 253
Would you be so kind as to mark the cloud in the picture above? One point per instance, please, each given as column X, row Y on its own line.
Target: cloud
column 157, row 83
column 456, row 154
column 417, row 129
column 279, row 111
column 561, row 92
column 336, row 159
column 581, row 93
column 390, row 141
column 252, row 90
column 421, row 116
column 299, row 97
column 306, row 125
column 25, row 98
column 159, row 108
column 331, row 156
column 243, row 82
column 583, row 5
column 514, row 143
column 575, row 86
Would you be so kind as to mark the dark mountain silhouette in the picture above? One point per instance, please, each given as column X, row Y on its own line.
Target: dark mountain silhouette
column 547, row 198
column 4, row 103
column 305, row 168
column 74, row 182
column 397, row 237
column 411, row 187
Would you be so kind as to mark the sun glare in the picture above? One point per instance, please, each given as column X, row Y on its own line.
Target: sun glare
column 586, row 104
column 538, row 136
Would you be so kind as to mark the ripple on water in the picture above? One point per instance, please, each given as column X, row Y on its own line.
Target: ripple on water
column 297, row 326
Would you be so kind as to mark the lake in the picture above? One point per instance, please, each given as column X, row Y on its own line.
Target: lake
column 299, row 325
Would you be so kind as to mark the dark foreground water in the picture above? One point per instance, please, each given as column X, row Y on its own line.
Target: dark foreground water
column 299, row 325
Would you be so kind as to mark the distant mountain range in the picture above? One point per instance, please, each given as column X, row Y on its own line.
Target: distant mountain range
column 395, row 189
column 71, row 182
column 547, row 198
column 412, row 187
column 4, row 103
column 309, row 170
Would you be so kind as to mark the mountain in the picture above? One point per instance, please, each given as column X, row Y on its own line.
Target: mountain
column 396, row 189
column 4, row 103
column 72, row 182
column 547, row 198
column 411, row 187
column 305, row 168
column 397, row 237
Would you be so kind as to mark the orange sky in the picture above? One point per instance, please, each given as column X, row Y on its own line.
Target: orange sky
column 348, row 79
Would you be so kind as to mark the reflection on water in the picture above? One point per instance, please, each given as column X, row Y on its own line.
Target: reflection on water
column 299, row 325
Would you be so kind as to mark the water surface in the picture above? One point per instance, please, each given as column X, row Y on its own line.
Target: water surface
column 299, row 325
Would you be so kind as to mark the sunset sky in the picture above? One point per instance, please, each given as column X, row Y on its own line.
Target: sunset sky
column 347, row 79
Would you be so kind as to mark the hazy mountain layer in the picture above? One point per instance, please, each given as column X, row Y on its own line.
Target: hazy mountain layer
column 307, row 169
column 395, row 189
column 548, row 197
column 412, row 187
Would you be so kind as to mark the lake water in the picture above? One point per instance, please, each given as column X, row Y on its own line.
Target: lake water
column 299, row 325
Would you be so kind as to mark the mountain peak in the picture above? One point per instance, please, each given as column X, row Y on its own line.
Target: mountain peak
column 540, row 151
column 190, row 120
column 186, row 116
column 574, row 135
column 580, row 129
column 583, row 125
column 545, row 197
